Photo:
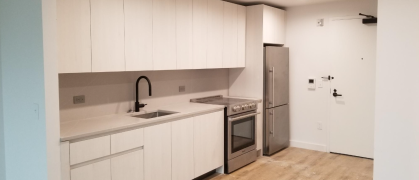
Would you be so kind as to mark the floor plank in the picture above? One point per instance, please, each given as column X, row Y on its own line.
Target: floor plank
column 301, row 164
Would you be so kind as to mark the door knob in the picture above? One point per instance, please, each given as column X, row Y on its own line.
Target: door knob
column 328, row 78
column 335, row 94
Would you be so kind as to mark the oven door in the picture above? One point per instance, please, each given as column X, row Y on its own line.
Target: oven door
column 241, row 134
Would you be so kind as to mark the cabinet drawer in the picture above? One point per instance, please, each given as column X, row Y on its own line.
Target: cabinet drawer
column 89, row 149
column 126, row 140
column 96, row 171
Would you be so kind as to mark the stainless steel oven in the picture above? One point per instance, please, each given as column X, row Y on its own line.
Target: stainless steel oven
column 241, row 140
column 241, row 134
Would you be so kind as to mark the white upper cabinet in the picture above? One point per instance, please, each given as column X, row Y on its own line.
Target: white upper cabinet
column 200, row 20
column 215, row 34
column 107, row 35
column 138, row 35
column 273, row 25
column 230, row 44
column 241, row 35
column 141, row 35
column 73, row 30
column 164, row 34
column 184, row 55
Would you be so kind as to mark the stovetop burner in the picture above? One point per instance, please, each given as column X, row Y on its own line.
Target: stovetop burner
column 234, row 105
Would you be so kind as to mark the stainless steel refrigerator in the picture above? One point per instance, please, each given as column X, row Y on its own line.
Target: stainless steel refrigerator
column 276, row 94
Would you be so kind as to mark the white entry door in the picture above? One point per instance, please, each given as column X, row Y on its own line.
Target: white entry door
column 353, row 49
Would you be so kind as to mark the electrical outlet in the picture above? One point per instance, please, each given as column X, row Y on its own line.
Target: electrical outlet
column 320, row 22
column 182, row 88
column 319, row 125
column 79, row 99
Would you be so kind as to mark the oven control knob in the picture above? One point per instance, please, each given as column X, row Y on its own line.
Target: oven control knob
column 236, row 108
column 246, row 106
column 253, row 105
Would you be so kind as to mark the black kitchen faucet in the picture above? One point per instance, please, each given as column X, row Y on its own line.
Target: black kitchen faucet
column 137, row 104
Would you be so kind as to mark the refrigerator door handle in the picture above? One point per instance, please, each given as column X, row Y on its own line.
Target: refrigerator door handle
column 273, row 86
column 272, row 101
column 273, row 123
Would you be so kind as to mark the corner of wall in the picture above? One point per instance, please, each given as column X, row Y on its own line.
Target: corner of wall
column 2, row 150
column 2, row 153
column 52, row 115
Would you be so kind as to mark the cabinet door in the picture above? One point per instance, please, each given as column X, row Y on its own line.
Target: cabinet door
column 138, row 35
column 184, row 34
column 164, row 34
column 200, row 34
column 182, row 149
column 158, row 152
column 241, row 36
column 107, row 35
column 208, row 142
column 128, row 166
column 215, row 34
column 273, row 25
column 73, row 31
column 96, row 171
column 230, row 35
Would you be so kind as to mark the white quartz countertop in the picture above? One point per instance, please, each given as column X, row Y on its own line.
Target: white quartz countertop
column 80, row 129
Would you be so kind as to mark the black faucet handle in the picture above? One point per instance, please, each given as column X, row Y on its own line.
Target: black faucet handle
column 138, row 106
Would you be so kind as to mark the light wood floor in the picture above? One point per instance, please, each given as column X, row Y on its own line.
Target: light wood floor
column 301, row 164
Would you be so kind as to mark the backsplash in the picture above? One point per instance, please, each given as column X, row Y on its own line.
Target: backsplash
column 114, row 92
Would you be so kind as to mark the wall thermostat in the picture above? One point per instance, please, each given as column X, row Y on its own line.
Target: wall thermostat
column 311, row 83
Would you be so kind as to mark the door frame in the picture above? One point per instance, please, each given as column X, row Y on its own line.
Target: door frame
column 329, row 120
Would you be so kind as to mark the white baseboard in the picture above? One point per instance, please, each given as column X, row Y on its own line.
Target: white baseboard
column 310, row 146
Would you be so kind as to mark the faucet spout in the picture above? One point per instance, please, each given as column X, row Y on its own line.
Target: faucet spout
column 137, row 103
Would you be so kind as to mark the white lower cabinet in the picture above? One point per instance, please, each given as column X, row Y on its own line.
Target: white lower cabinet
column 182, row 149
column 128, row 166
column 158, row 152
column 179, row 150
column 208, row 142
column 96, row 171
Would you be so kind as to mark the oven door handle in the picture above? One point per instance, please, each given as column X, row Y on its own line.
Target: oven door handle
column 241, row 117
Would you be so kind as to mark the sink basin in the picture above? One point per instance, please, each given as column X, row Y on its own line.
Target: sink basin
column 155, row 114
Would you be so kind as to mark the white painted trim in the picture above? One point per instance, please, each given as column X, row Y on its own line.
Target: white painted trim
column 52, row 112
column 307, row 145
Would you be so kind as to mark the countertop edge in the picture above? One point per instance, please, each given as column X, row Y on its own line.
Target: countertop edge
column 105, row 132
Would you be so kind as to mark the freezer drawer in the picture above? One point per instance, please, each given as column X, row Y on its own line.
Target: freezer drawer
column 277, row 129
column 276, row 76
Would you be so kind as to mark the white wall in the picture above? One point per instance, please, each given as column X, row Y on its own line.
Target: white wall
column 309, row 57
column 397, row 109
column 111, row 93
column 248, row 82
column 27, row 57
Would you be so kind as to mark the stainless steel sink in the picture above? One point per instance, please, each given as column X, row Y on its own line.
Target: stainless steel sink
column 155, row 114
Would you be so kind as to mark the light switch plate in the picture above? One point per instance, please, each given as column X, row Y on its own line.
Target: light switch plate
column 320, row 83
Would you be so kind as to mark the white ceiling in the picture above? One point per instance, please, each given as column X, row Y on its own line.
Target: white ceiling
column 281, row 3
